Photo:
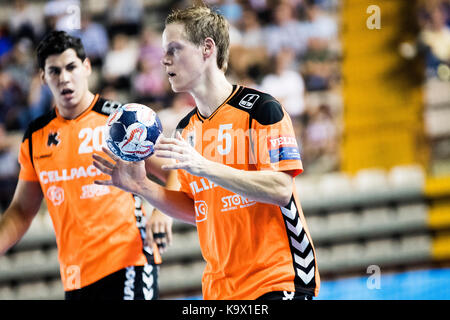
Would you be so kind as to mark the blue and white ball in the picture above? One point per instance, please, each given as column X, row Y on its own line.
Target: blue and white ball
column 133, row 130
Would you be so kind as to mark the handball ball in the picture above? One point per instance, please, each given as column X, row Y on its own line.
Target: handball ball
column 133, row 130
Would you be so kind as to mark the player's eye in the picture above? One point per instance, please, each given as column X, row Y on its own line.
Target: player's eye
column 173, row 49
column 53, row 71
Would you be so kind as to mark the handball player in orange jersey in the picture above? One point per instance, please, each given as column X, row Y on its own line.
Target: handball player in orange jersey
column 236, row 159
column 103, row 249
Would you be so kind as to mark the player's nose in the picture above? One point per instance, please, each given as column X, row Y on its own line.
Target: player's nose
column 64, row 76
column 165, row 61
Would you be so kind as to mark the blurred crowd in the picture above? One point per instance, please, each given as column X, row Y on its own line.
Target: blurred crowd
column 434, row 38
column 288, row 48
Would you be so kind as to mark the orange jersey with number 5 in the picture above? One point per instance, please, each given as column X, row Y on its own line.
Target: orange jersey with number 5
column 250, row 247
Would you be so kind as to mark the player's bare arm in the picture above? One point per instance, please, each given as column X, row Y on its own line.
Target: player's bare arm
column 159, row 228
column 132, row 177
column 153, row 166
column 263, row 186
column 16, row 220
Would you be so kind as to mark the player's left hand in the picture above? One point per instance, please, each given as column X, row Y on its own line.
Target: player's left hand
column 187, row 157
column 159, row 230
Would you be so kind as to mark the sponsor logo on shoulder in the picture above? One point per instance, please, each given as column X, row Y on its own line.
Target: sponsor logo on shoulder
column 109, row 106
column 249, row 100
column 281, row 141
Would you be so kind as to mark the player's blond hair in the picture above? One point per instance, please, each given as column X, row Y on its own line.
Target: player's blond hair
column 201, row 22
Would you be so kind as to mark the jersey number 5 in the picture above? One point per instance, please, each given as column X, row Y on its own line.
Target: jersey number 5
column 224, row 136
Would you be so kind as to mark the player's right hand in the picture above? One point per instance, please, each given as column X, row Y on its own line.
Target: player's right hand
column 159, row 230
column 126, row 175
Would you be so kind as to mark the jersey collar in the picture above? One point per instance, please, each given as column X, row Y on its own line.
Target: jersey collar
column 91, row 105
column 233, row 92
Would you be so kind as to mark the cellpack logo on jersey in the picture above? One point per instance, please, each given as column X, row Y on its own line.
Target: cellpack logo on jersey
column 283, row 148
column 68, row 174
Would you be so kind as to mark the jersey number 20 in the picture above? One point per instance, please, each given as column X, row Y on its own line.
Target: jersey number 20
column 92, row 139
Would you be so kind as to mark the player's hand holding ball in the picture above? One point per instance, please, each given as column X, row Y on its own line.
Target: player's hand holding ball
column 133, row 130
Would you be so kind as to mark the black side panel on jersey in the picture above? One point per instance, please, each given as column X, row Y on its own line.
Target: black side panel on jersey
column 185, row 121
column 36, row 125
column 261, row 106
column 105, row 107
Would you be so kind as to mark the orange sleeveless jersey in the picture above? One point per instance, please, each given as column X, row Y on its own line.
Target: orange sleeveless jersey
column 251, row 248
column 98, row 228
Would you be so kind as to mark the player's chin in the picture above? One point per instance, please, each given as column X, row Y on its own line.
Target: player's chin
column 176, row 87
column 69, row 104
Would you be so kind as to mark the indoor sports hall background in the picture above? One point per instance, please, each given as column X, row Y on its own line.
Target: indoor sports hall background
column 367, row 84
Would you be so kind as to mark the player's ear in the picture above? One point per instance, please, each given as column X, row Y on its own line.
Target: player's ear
column 208, row 47
column 87, row 66
column 42, row 76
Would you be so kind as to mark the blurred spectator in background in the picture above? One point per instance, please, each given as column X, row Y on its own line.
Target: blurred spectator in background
column 435, row 37
column 320, row 141
column 286, row 84
column 181, row 105
column 110, row 93
column 317, row 65
column 9, row 167
column 232, row 10
column 251, row 32
column 20, row 64
column 258, row 5
column 318, row 72
column 40, row 100
column 20, row 68
column 25, row 21
column 6, row 43
column 12, row 102
column 322, row 29
column 248, row 58
column 149, row 83
column 150, row 46
column 124, row 16
column 94, row 38
column 286, row 31
column 63, row 15
column 120, row 62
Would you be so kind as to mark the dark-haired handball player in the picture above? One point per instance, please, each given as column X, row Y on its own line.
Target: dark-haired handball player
column 236, row 159
column 100, row 230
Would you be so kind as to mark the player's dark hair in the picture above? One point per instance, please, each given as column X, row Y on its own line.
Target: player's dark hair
column 57, row 42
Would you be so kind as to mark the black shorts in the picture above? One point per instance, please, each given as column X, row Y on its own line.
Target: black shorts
column 284, row 295
column 131, row 283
